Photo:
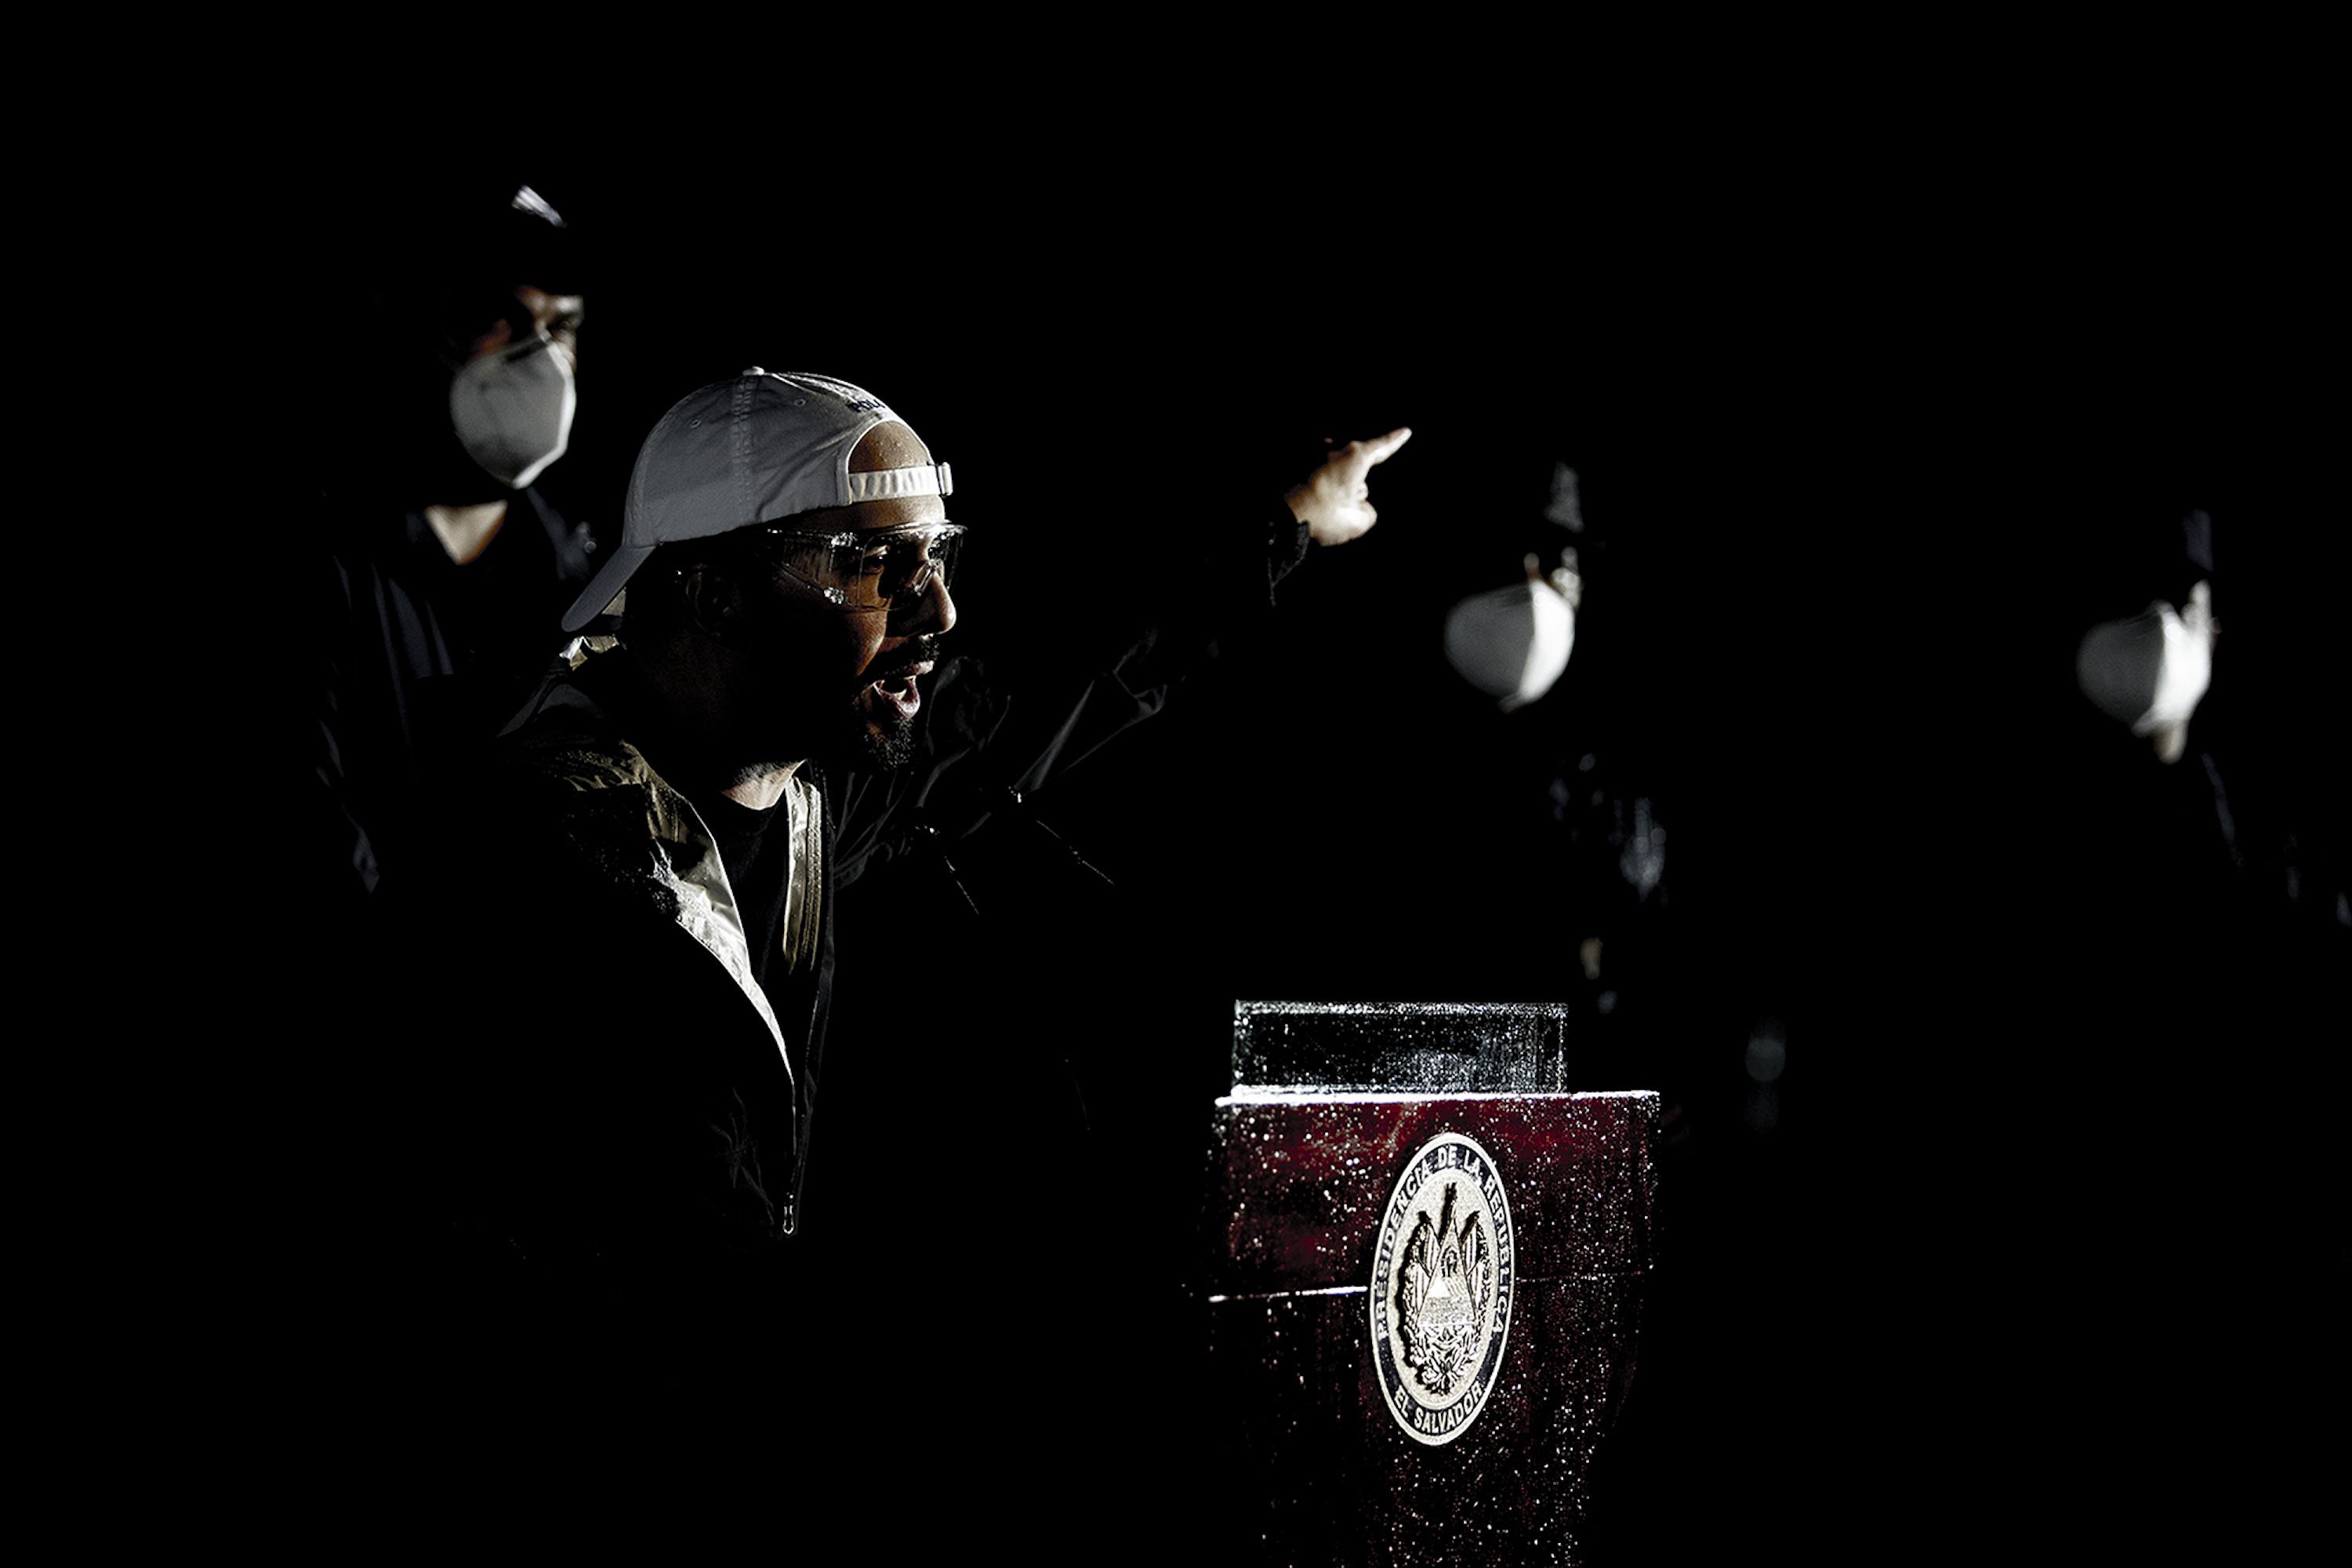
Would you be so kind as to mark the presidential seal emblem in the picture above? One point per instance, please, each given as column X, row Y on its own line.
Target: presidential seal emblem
column 1442, row 1290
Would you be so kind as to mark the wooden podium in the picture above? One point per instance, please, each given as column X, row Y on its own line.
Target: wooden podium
column 1423, row 1281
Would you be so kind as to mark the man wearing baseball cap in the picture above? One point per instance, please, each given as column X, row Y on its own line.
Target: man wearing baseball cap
column 682, row 807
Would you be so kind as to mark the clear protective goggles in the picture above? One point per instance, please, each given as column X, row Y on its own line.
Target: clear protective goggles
column 868, row 569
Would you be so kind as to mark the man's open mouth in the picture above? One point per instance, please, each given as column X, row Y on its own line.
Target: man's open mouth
column 898, row 688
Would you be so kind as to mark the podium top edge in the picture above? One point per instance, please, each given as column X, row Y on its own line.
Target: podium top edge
column 1403, row 1009
column 1401, row 1047
column 1248, row 1095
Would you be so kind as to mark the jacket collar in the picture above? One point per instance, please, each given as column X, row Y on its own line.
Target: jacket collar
column 644, row 837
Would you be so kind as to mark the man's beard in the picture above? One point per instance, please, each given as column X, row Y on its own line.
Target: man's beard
column 870, row 740
column 887, row 744
column 888, row 740
column 862, row 742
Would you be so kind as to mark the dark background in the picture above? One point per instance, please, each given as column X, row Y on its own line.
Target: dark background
column 2042, row 1208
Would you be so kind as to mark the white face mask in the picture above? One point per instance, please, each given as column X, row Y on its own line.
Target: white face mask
column 1513, row 644
column 2149, row 671
column 513, row 409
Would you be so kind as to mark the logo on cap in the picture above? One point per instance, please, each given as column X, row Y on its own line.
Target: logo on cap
column 1441, row 1293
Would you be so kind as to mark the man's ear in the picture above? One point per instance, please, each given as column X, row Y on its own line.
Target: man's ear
column 714, row 600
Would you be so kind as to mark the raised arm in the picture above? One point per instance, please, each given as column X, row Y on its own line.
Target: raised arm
column 1334, row 503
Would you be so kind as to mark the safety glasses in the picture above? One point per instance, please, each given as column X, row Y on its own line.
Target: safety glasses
column 868, row 569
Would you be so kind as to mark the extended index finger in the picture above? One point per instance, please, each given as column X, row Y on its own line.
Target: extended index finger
column 1377, row 449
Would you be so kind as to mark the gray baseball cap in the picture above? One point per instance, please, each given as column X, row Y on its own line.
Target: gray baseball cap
column 750, row 449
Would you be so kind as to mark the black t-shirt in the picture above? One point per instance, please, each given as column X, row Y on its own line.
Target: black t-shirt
column 757, row 848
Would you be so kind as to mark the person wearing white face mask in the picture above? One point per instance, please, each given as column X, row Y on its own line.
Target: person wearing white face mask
column 1513, row 643
column 444, row 572
column 512, row 407
column 2148, row 671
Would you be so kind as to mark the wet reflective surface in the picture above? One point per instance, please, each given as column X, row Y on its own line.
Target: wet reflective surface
column 1411, row 1047
column 1300, row 1183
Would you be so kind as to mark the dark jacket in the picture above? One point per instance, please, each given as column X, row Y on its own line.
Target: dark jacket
column 404, row 660
column 609, row 1130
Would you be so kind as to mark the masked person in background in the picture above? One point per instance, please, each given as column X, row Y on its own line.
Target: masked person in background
column 2148, row 671
column 442, row 574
